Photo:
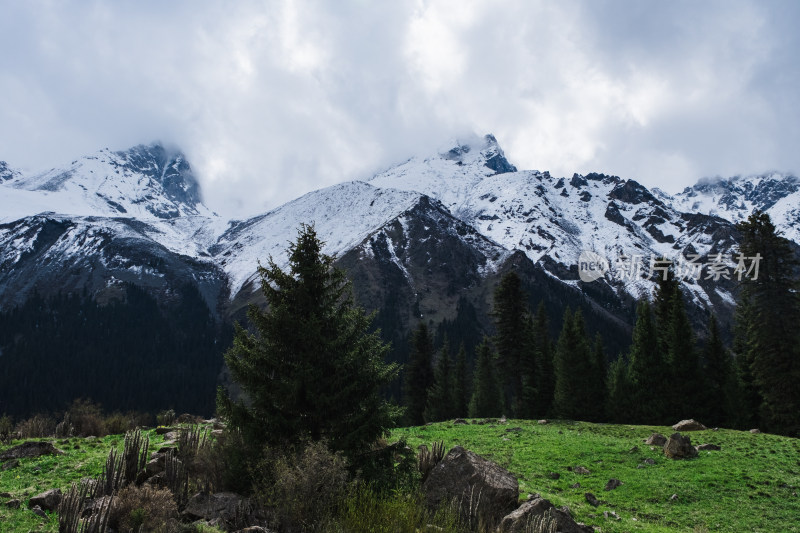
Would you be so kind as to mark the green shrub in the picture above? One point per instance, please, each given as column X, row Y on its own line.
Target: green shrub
column 165, row 418
column 87, row 418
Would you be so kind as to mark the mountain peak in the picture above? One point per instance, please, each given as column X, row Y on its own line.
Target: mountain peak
column 7, row 173
column 481, row 150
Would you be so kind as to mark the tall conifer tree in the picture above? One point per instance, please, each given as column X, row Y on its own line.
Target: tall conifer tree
column 487, row 398
column 440, row 396
column 648, row 372
column 510, row 313
column 419, row 375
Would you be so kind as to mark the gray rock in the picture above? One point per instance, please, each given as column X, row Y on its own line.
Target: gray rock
column 613, row 484
column 581, row 470
column 591, row 499
column 467, row 477
column 48, row 500
column 755, row 431
column 518, row 520
column 38, row 511
column 656, row 439
column 13, row 504
column 689, row 425
column 679, row 447
column 708, row 447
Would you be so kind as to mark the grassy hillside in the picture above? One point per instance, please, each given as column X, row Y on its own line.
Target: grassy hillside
column 752, row 484
column 83, row 457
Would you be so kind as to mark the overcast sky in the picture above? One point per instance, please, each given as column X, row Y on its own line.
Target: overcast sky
column 273, row 99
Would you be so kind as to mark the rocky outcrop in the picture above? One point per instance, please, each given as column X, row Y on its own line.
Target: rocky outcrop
column 471, row 480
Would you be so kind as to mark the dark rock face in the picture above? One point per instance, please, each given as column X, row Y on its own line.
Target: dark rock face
column 30, row 449
column 632, row 192
column 679, row 447
column 518, row 520
column 464, row 476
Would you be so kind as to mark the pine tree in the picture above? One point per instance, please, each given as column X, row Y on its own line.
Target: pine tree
column 619, row 405
column 440, row 395
column 749, row 400
column 545, row 375
column 311, row 369
column 510, row 313
column 461, row 384
column 647, row 370
column 528, row 395
column 487, row 398
column 721, row 383
column 678, row 345
column 419, row 375
column 774, row 313
column 573, row 370
column 598, row 386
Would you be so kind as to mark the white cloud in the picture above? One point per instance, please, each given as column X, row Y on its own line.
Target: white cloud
column 273, row 99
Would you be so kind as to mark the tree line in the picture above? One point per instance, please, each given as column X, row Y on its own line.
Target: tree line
column 666, row 375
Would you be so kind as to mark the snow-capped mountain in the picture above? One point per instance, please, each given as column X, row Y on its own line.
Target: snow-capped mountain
column 734, row 199
column 145, row 182
column 423, row 233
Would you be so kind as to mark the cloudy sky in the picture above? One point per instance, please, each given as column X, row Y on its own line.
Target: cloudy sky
column 272, row 99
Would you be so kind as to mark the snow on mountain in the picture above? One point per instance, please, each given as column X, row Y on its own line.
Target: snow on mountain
column 344, row 215
column 145, row 182
column 734, row 199
column 6, row 172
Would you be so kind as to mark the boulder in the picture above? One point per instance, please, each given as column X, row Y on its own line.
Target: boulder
column 679, row 447
column 13, row 504
column 708, row 447
column 543, row 421
column 156, row 465
column 689, row 425
column 48, row 500
column 222, row 505
column 459, row 421
column 518, row 521
column 755, row 431
column 466, row 477
column 592, row 499
column 656, row 439
column 30, row 449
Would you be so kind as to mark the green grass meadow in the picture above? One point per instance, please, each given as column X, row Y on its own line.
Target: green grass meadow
column 752, row 484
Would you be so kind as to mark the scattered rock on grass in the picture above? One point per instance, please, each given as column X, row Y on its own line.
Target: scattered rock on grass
column 656, row 439
column 581, row 470
column 38, row 511
column 459, row 421
column 30, row 449
column 462, row 474
column 755, row 431
column 611, row 514
column 592, row 499
column 554, row 475
column 519, row 520
column 689, row 425
column 679, row 447
column 48, row 500
column 543, row 421
column 13, row 504
column 708, row 447
column 613, row 484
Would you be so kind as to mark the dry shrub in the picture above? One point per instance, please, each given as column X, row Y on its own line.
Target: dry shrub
column 305, row 488
column 36, row 427
column 6, row 429
column 144, row 509
column 87, row 418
